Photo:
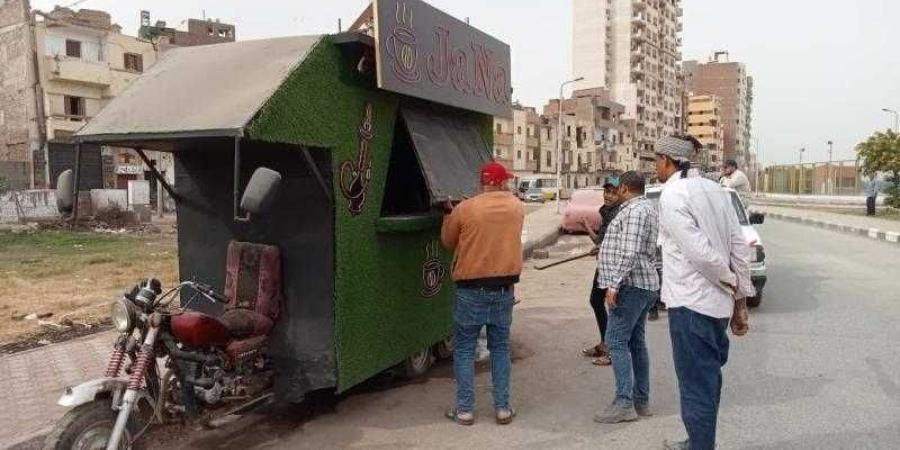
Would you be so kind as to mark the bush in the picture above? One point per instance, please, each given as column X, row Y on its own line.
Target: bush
column 893, row 193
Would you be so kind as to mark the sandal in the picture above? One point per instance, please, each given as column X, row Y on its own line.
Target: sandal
column 602, row 361
column 596, row 351
column 461, row 418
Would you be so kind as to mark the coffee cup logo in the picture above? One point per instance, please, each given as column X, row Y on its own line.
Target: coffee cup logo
column 432, row 271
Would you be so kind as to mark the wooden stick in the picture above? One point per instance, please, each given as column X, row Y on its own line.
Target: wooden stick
column 563, row 261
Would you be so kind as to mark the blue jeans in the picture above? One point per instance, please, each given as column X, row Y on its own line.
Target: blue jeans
column 628, row 347
column 476, row 308
column 700, row 349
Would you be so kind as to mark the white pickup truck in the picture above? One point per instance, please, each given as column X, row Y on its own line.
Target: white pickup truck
column 757, row 251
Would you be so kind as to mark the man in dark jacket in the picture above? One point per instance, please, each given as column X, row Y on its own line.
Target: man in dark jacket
column 608, row 212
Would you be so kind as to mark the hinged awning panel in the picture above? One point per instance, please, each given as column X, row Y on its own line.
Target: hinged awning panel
column 450, row 151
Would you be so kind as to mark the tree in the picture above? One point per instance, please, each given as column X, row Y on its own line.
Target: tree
column 881, row 153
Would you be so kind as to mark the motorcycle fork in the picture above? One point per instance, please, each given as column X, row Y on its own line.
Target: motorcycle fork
column 144, row 359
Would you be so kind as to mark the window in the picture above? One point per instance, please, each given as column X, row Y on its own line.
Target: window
column 519, row 154
column 568, row 131
column 499, row 128
column 73, row 48
column 74, row 106
column 518, row 130
column 134, row 62
column 549, row 160
column 548, row 134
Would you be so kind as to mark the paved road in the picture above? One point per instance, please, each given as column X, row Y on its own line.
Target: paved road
column 820, row 369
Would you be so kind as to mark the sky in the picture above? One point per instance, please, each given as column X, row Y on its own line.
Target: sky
column 822, row 69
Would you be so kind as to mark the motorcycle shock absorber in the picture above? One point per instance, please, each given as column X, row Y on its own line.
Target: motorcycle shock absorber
column 140, row 367
column 114, row 367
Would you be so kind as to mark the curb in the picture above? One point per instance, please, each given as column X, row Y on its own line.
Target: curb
column 541, row 241
column 871, row 233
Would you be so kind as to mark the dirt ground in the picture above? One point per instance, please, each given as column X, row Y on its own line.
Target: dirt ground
column 75, row 275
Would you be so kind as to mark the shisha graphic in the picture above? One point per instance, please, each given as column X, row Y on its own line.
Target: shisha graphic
column 355, row 175
column 432, row 271
column 401, row 46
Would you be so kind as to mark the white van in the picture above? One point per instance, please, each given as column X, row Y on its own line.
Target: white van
column 546, row 184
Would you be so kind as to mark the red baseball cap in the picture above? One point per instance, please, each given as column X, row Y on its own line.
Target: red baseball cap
column 494, row 174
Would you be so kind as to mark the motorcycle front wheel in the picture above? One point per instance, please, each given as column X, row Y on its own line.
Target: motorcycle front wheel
column 87, row 427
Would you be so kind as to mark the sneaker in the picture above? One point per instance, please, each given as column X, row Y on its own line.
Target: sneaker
column 653, row 315
column 505, row 416
column 460, row 417
column 676, row 445
column 642, row 410
column 616, row 414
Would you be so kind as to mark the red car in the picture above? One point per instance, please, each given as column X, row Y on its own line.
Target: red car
column 584, row 204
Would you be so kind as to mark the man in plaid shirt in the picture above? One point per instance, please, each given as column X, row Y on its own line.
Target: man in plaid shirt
column 627, row 270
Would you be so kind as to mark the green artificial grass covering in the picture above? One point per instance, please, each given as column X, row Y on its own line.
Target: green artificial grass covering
column 381, row 315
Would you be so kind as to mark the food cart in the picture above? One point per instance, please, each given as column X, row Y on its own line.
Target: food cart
column 371, row 130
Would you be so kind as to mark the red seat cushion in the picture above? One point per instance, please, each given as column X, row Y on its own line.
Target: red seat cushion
column 242, row 323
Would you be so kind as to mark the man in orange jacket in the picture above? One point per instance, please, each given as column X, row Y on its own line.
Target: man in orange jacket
column 486, row 234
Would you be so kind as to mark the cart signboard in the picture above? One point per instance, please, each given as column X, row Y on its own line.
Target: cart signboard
column 423, row 52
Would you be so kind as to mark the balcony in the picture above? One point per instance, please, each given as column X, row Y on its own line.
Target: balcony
column 679, row 27
column 503, row 139
column 639, row 20
column 639, row 5
column 532, row 142
column 68, row 123
column 75, row 70
column 679, row 11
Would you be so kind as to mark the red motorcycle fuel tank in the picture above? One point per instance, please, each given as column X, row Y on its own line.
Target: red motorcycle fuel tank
column 199, row 330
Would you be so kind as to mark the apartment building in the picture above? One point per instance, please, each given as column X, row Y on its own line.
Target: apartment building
column 597, row 141
column 517, row 141
column 64, row 66
column 632, row 48
column 199, row 32
column 705, row 124
column 730, row 82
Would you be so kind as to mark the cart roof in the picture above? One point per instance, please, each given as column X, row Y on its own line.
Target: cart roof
column 204, row 91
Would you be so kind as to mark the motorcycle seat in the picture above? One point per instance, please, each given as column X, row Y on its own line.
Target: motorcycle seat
column 245, row 323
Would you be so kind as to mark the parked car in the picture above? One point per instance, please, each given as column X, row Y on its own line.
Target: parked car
column 758, row 273
column 534, row 195
column 584, row 204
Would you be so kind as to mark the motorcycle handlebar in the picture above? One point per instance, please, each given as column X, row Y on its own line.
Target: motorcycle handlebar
column 207, row 291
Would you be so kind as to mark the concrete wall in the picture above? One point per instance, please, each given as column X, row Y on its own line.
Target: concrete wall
column 105, row 199
column 28, row 206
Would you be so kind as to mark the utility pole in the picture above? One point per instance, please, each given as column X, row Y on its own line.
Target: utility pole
column 559, row 134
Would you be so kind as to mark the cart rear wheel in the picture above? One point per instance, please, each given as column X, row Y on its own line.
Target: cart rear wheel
column 418, row 364
column 444, row 349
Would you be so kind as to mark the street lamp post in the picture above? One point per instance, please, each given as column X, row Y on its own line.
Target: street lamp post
column 829, row 183
column 800, row 181
column 896, row 118
column 559, row 134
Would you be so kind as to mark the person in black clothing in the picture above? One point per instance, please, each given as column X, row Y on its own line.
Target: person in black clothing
column 607, row 212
